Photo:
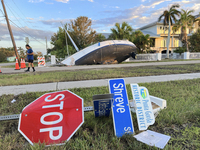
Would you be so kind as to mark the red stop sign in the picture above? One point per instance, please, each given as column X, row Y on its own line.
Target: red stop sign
column 52, row 118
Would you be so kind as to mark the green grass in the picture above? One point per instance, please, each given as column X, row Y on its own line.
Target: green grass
column 180, row 120
column 61, row 76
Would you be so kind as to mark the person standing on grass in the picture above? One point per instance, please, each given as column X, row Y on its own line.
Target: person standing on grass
column 30, row 58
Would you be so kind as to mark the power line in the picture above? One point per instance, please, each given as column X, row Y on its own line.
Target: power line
column 13, row 14
column 21, row 25
column 26, row 32
column 2, row 13
column 21, row 13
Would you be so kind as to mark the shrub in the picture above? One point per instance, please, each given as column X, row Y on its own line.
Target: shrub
column 180, row 50
column 2, row 56
column 195, row 42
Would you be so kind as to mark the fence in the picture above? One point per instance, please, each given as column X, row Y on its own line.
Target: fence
column 159, row 56
column 41, row 61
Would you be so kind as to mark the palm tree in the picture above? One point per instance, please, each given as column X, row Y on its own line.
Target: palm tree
column 185, row 22
column 141, row 41
column 121, row 32
column 169, row 17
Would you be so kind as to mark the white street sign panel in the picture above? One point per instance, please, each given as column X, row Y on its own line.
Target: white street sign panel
column 144, row 112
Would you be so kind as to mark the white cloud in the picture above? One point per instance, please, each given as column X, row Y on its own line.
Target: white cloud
column 190, row 5
column 35, row 1
column 185, row 1
column 63, row 1
column 29, row 18
column 48, row 3
column 17, row 32
column 139, row 16
column 116, row 7
column 55, row 23
column 133, row 17
column 196, row 7
column 91, row 0
column 159, row 2
column 143, row 0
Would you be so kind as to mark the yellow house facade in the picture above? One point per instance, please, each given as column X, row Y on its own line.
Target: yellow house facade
column 159, row 33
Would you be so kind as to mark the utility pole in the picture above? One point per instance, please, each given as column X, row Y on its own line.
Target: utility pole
column 66, row 42
column 46, row 44
column 10, row 31
column 65, row 37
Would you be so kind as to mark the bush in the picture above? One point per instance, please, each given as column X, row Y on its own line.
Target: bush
column 180, row 50
column 2, row 56
column 195, row 42
column 35, row 56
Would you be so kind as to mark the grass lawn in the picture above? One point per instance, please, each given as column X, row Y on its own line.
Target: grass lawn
column 61, row 76
column 180, row 120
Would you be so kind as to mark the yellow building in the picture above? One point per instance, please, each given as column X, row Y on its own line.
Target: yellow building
column 159, row 33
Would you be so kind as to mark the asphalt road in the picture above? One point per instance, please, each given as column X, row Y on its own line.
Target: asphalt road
column 86, row 67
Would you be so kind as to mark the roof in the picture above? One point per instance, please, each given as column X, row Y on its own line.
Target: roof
column 197, row 16
column 152, row 24
column 105, row 34
column 150, row 33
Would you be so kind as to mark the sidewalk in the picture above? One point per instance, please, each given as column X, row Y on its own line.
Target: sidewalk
column 84, row 67
column 56, row 86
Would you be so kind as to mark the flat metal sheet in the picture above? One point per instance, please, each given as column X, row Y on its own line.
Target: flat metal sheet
column 102, row 107
column 16, row 116
column 10, row 117
column 89, row 108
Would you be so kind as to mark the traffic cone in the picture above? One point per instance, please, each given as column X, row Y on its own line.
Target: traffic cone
column 17, row 65
column 0, row 69
column 24, row 63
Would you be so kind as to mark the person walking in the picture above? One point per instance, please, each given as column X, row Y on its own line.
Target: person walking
column 30, row 58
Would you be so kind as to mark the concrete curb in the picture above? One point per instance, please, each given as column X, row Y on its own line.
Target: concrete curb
column 19, row 89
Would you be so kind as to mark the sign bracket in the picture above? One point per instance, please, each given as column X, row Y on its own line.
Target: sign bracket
column 16, row 116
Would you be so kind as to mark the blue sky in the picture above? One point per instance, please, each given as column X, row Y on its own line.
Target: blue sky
column 38, row 19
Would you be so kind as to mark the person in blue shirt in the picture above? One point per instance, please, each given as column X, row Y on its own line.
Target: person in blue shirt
column 30, row 58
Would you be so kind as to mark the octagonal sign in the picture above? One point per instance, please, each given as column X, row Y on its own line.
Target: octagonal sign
column 52, row 118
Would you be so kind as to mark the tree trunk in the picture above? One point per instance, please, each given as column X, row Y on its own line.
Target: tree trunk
column 168, row 39
column 186, row 42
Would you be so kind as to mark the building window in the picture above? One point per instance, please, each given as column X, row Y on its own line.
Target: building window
column 166, row 30
column 176, row 43
column 161, row 29
column 178, row 31
column 152, row 44
column 163, row 43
